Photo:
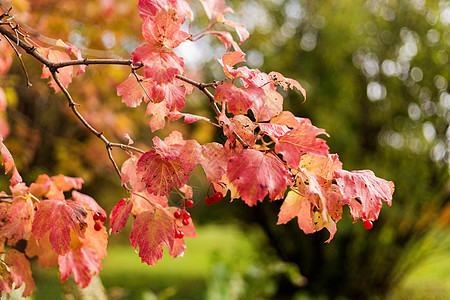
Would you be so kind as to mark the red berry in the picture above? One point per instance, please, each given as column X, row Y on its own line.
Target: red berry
column 97, row 226
column 103, row 218
column 185, row 222
column 177, row 214
column 209, row 200
column 368, row 225
column 179, row 234
column 189, row 203
column 186, row 215
column 96, row 216
column 217, row 196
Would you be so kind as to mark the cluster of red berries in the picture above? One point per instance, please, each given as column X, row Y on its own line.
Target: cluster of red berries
column 99, row 220
column 185, row 221
column 216, row 197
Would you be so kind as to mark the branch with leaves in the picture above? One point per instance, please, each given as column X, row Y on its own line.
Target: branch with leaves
column 269, row 154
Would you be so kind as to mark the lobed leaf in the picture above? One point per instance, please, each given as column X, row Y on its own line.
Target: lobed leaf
column 82, row 262
column 160, row 65
column 59, row 217
column 150, row 231
column 255, row 174
column 20, row 269
column 119, row 215
column 364, row 192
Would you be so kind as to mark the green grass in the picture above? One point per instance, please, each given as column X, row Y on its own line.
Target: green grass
column 184, row 275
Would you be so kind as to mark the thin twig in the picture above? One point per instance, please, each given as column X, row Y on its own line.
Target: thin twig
column 126, row 147
column 139, row 80
column 19, row 56
column 202, row 87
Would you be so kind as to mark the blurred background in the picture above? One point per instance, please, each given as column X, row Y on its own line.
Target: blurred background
column 376, row 74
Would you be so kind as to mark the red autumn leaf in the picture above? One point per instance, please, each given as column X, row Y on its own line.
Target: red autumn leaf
column 88, row 202
column 308, row 217
column 172, row 95
column 150, row 231
column 296, row 205
column 215, row 7
column 255, row 174
column 225, row 38
column 82, row 262
column 158, row 112
column 64, row 74
column 17, row 223
column 8, row 162
column 323, row 166
column 188, row 118
column 46, row 256
column 214, row 161
column 59, row 217
column 6, row 280
column 175, row 147
column 275, row 131
column 160, row 65
column 119, row 215
column 240, row 29
column 164, row 29
column 132, row 92
column 364, row 192
column 161, row 175
column 229, row 60
column 129, row 173
column 286, row 83
column 71, row 49
column 20, row 269
column 299, row 141
column 169, row 164
column 239, row 100
column 149, row 8
column 65, row 183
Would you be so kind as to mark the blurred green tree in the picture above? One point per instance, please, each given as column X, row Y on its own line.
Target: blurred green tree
column 377, row 76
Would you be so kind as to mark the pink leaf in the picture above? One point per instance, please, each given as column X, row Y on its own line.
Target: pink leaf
column 225, row 38
column 286, row 83
column 149, row 8
column 18, row 221
column 159, row 112
column 20, row 269
column 364, row 192
column 132, row 92
column 255, row 174
column 213, row 8
column 164, row 29
column 83, row 263
column 214, row 161
column 64, row 74
column 161, row 175
column 65, row 183
column 6, row 280
column 299, row 141
column 8, row 162
column 239, row 100
column 59, row 217
column 160, row 65
column 150, row 231
column 88, row 202
column 119, row 215
column 129, row 174
column 173, row 95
